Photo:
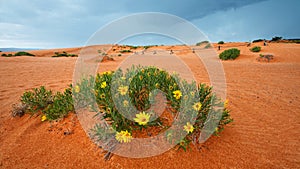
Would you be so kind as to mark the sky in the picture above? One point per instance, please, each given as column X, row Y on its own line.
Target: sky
column 71, row 23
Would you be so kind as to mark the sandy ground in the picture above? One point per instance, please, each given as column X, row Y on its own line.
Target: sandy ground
column 263, row 98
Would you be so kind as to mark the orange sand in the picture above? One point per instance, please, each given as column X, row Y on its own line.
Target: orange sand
column 263, row 98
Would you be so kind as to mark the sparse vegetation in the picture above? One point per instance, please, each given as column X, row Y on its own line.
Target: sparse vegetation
column 276, row 38
column 258, row 40
column 255, row 49
column 22, row 53
column 207, row 46
column 230, row 54
column 201, row 43
column 125, row 51
column 43, row 102
column 221, row 42
column 64, row 54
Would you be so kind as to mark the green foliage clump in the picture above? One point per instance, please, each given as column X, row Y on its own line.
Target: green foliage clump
column 125, row 51
column 201, row 43
column 120, row 95
column 64, row 54
column 258, row 40
column 221, row 42
column 276, row 38
column 4, row 55
column 255, row 49
column 22, row 53
column 43, row 101
column 229, row 54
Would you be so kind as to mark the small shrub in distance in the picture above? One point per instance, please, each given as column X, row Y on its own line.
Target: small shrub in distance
column 221, row 42
column 22, row 53
column 255, row 49
column 10, row 55
column 230, row 54
column 64, row 54
column 202, row 42
column 257, row 40
column 4, row 55
column 276, row 38
column 125, row 51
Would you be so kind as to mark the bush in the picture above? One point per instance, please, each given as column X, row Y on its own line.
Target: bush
column 125, row 51
column 139, row 93
column 64, row 54
column 276, row 38
column 4, row 55
column 42, row 101
column 207, row 46
column 255, row 49
column 221, row 42
column 203, row 42
column 22, row 53
column 258, row 40
column 229, row 54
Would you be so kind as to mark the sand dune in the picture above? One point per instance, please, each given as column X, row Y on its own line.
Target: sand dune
column 263, row 99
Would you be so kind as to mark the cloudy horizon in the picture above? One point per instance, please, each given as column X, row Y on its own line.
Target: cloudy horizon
column 65, row 23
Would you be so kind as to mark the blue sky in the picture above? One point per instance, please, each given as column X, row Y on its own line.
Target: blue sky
column 70, row 23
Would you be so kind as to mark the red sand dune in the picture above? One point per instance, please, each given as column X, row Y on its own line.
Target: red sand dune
column 263, row 98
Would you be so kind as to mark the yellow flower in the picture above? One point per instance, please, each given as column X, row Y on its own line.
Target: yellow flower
column 44, row 118
column 192, row 93
column 142, row 118
column 141, row 77
column 188, row 127
column 157, row 85
column 226, row 103
column 177, row 94
column 102, row 96
column 197, row 106
column 103, row 85
column 216, row 129
column 77, row 89
column 123, row 136
column 106, row 73
column 123, row 90
column 171, row 87
column 125, row 103
column 148, row 74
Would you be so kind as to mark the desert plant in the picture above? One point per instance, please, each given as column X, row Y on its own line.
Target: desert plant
column 43, row 101
column 258, row 40
column 276, row 38
column 207, row 46
column 255, row 49
column 61, row 105
column 221, row 42
column 37, row 100
column 135, row 91
column 202, row 42
column 125, row 51
column 64, row 54
column 229, row 54
column 22, row 53
column 4, row 55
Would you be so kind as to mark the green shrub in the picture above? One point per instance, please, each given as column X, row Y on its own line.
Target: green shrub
column 229, row 54
column 37, row 100
column 202, row 42
column 4, row 55
column 221, row 42
column 141, row 93
column 258, row 40
column 255, row 49
column 42, row 101
column 125, row 51
column 61, row 105
column 64, row 54
column 22, row 53
column 276, row 38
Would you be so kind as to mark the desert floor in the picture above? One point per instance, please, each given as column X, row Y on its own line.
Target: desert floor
column 263, row 99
